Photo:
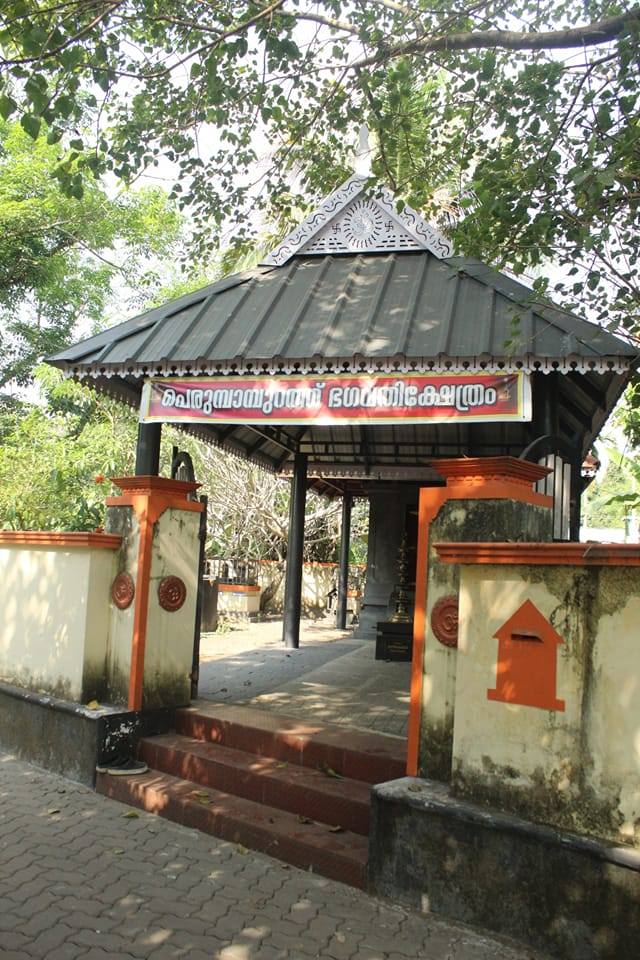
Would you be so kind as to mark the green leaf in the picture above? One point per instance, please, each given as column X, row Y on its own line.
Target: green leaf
column 31, row 125
column 7, row 106
column 64, row 106
column 607, row 177
column 488, row 66
column 72, row 57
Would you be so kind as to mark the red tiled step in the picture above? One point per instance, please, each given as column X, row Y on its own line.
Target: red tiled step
column 276, row 783
column 339, row 856
column 357, row 754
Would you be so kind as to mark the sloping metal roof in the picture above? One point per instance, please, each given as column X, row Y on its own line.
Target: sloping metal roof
column 396, row 311
column 344, row 309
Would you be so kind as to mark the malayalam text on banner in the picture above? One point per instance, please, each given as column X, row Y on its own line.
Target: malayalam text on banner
column 338, row 399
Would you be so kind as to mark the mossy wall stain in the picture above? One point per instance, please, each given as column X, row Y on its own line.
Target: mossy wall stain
column 94, row 682
column 120, row 521
column 166, row 689
column 60, row 687
column 578, row 789
column 117, row 685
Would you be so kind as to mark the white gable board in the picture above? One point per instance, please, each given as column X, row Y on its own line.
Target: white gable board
column 350, row 221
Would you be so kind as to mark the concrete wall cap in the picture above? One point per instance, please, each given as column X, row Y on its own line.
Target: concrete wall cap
column 495, row 468
column 151, row 484
column 48, row 538
column 538, row 554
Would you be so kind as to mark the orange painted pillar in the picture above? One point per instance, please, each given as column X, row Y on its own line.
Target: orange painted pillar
column 467, row 479
column 149, row 497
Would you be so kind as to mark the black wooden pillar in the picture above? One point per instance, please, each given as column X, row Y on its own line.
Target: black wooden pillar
column 148, row 449
column 548, row 394
column 575, row 505
column 293, row 579
column 343, row 583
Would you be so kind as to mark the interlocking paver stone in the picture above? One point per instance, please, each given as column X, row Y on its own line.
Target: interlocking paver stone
column 170, row 892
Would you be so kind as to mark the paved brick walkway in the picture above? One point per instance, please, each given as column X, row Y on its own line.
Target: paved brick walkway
column 85, row 878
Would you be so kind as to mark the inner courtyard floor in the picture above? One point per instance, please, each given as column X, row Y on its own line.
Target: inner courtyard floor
column 332, row 677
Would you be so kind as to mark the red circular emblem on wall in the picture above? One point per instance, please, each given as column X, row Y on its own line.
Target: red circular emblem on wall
column 123, row 591
column 444, row 620
column 172, row 593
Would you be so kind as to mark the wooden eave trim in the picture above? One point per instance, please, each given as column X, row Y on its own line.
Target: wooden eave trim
column 538, row 554
column 64, row 540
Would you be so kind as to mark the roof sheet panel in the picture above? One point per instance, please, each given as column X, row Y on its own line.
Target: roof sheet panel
column 366, row 301
column 283, row 315
column 122, row 350
column 164, row 339
column 427, row 335
column 317, row 331
column 470, row 331
column 196, row 332
column 389, row 324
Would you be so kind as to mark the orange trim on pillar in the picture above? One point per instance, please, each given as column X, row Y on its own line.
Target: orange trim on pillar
column 469, row 478
column 425, row 515
column 149, row 497
column 141, row 610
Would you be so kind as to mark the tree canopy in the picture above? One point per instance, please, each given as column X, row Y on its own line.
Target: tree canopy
column 62, row 257
column 528, row 111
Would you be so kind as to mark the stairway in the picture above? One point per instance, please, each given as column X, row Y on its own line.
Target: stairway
column 298, row 791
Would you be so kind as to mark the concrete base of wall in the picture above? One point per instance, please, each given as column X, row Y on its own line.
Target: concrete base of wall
column 572, row 896
column 68, row 738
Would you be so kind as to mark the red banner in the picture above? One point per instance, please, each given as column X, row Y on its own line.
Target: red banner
column 335, row 399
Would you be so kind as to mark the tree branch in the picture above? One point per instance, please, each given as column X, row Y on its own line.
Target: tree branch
column 593, row 34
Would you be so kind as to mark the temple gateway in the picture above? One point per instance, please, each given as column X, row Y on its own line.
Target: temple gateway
column 362, row 359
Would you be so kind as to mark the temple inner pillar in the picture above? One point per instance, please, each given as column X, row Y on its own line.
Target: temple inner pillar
column 393, row 509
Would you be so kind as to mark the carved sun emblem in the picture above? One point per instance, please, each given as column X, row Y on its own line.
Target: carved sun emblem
column 361, row 223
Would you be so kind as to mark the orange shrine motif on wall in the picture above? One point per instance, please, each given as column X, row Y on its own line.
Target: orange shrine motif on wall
column 527, row 660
